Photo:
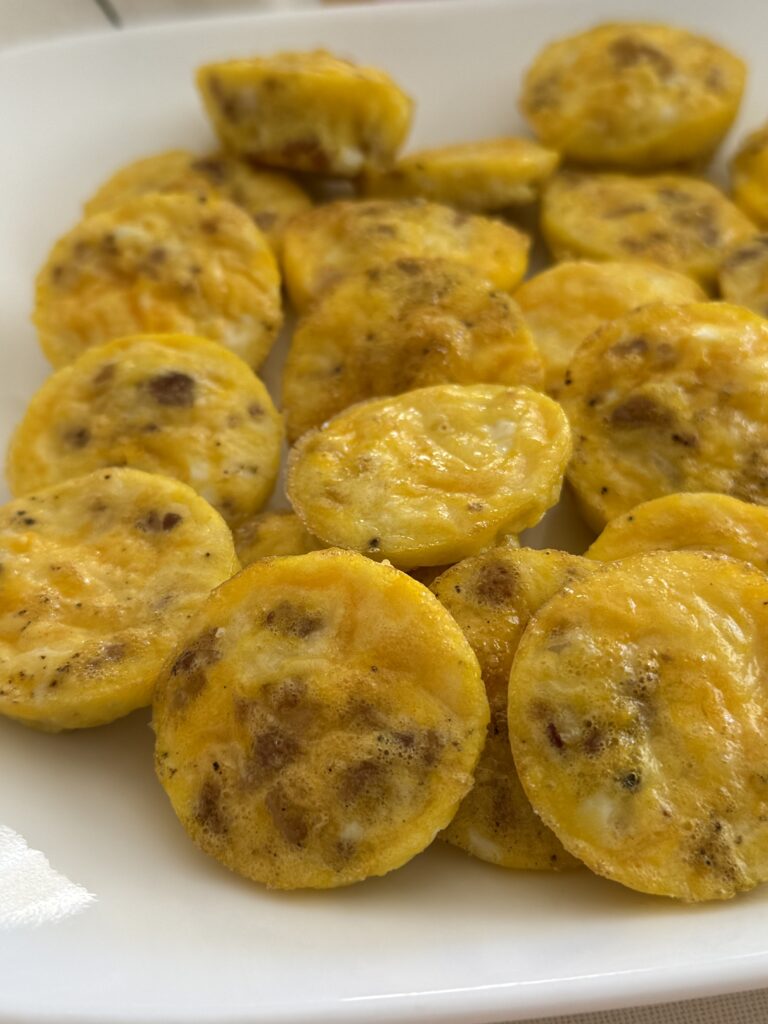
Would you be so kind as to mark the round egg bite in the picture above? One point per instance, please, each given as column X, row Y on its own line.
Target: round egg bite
column 270, row 534
column 401, row 326
column 427, row 574
column 171, row 404
column 682, row 223
column 321, row 722
column 101, row 575
column 348, row 236
column 478, row 176
column 667, row 399
column 160, row 263
column 633, row 95
column 688, row 522
column 749, row 176
column 431, row 476
column 744, row 274
column 492, row 597
column 307, row 111
column 638, row 716
column 565, row 304
column 268, row 197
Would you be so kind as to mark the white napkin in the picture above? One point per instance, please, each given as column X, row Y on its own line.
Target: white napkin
column 31, row 891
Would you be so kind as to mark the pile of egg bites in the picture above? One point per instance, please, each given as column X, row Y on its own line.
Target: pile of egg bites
column 336, row 685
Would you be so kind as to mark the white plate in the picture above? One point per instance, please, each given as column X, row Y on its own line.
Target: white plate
column 173, row 937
